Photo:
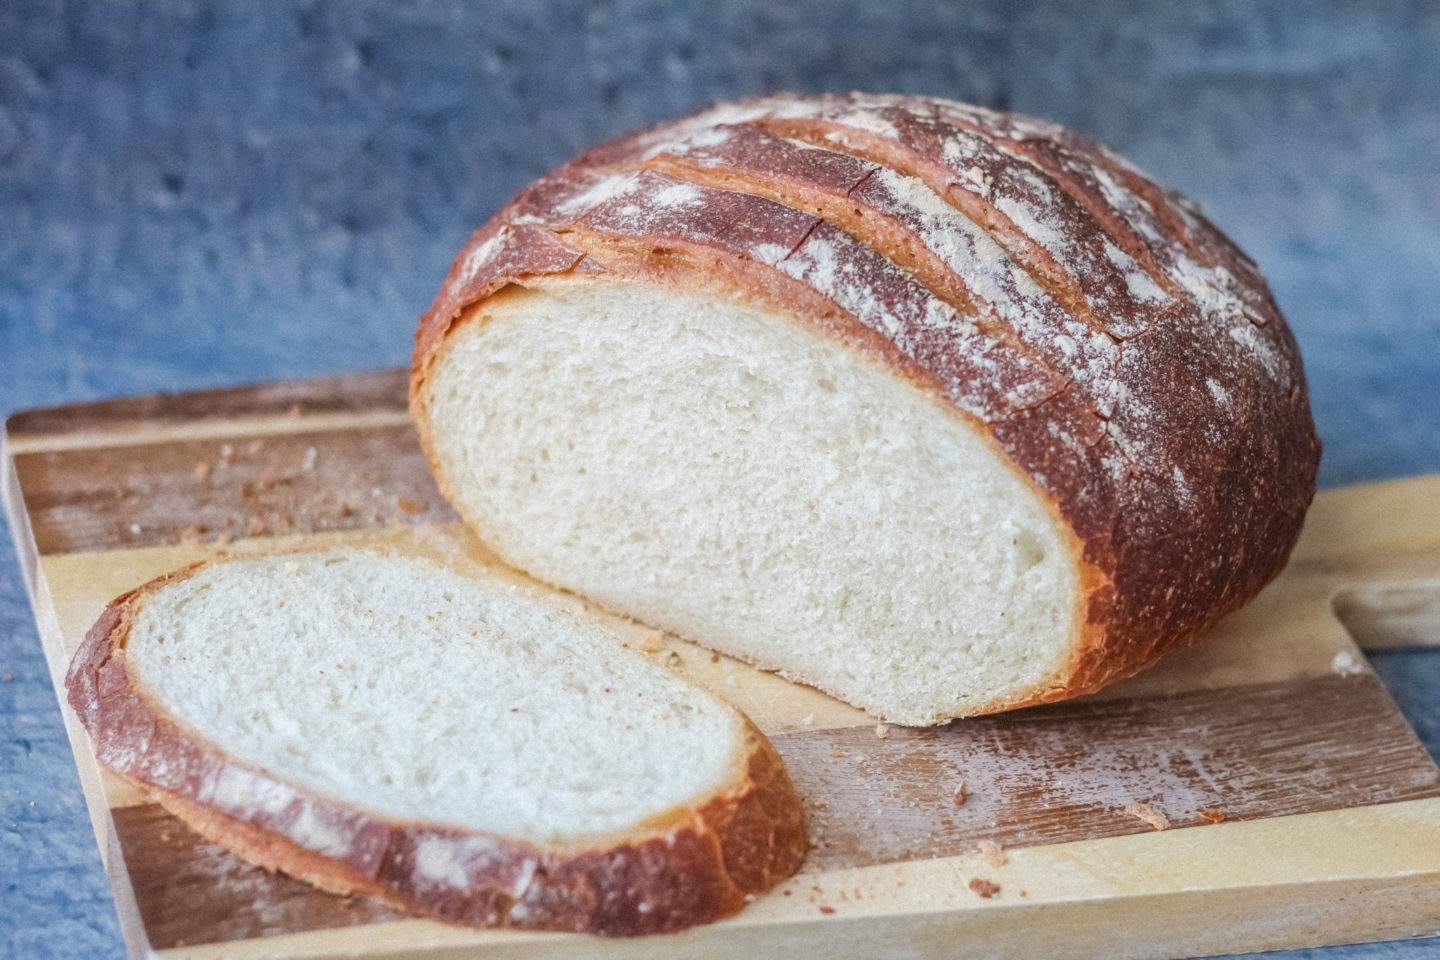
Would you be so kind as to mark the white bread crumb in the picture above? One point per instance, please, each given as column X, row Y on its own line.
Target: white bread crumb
column 1143, row 811
column 1346, row 664
column 993, row 854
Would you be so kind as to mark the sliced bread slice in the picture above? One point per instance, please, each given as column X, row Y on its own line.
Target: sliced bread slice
column 460, row 747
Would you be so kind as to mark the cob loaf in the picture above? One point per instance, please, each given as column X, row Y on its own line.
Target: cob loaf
column 942, row 410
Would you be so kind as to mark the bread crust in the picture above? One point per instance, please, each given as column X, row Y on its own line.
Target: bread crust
column 1127, row 359
column 686, row 867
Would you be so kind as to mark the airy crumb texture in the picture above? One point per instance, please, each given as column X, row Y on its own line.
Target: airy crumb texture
column 737, row 478
column 402, row 688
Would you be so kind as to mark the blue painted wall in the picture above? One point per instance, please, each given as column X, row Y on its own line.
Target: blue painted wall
column 203, row 193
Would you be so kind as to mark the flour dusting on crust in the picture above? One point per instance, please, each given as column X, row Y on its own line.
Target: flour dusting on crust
column 1121, row 351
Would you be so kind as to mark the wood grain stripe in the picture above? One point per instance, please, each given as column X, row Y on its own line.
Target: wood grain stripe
column 161, row 494
column 191, row 891
column 1069, row 771
column 369, row 392
column 1043, row 776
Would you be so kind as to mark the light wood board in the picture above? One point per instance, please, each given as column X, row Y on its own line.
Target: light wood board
column 1331, row 807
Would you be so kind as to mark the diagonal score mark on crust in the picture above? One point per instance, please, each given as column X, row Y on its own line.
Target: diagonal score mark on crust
column 1160, row 230
column 1049, row 156
column 1011, row 309
column 860, row 217
column 1179, row 219
column 1030, row 255
column 812, row 261
column 634, row 212
column 1148, row 191
column 899, row 218
column 669, row 225
column 843, row 212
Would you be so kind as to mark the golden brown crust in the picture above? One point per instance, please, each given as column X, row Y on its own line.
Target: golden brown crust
column 1125, row 357
column 267, row 849
column 702, row 865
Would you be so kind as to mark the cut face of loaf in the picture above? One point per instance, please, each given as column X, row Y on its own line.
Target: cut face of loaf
column 944, row 410
column 464, row 749
column 721, row 471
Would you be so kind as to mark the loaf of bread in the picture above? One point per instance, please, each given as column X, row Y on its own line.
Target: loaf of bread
column 941, row 410
column 381, row 725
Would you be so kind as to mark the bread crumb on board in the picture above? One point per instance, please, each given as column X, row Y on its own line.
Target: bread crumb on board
column 993, row 853
column 961, row 792
column 1346, row 664
column 269, row 479
column 1212, row 816
column 882, row 731
column 984, row 888
column 1147, row 813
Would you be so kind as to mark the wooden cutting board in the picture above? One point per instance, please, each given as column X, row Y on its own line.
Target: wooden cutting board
column 1330, row 805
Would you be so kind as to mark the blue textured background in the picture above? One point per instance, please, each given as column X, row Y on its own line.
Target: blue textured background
column 197, row 194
